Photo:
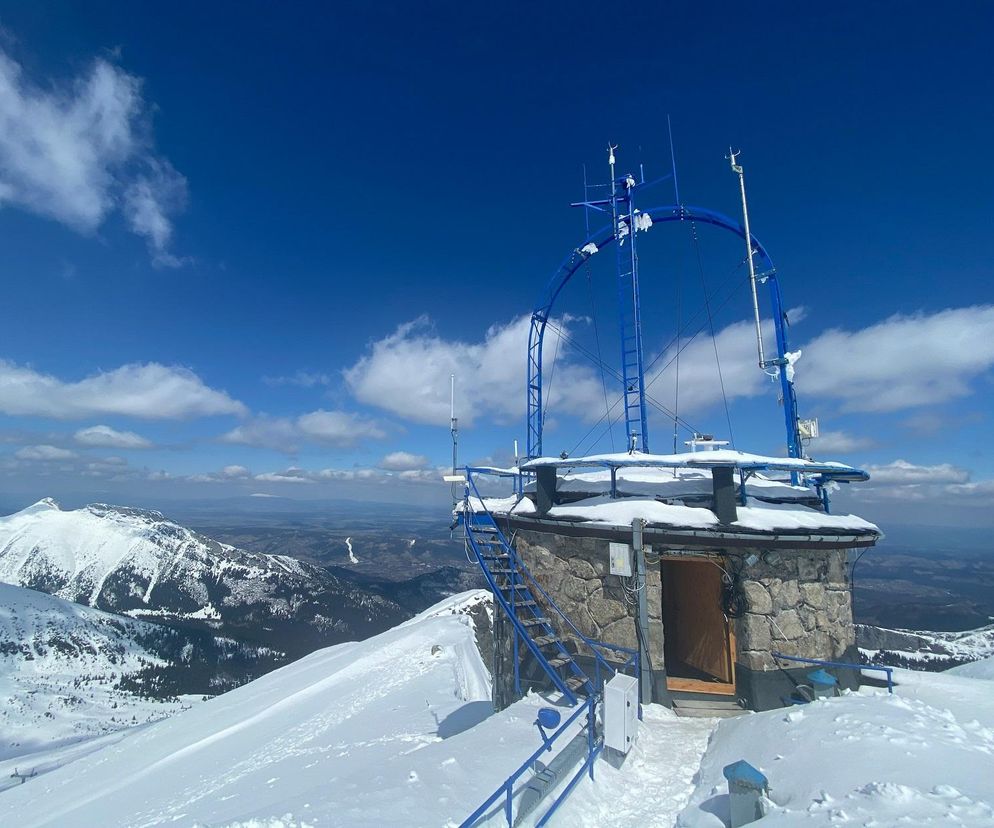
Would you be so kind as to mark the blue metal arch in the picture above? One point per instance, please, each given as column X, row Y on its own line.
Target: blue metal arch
column 601, row 238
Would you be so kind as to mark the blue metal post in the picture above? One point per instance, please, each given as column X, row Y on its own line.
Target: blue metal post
column 632, row 367
column 786, row 385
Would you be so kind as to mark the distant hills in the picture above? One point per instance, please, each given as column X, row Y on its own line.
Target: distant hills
column 142, row 565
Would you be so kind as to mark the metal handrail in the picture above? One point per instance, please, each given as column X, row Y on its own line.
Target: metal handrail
column 598, row 658
column 844, row 665
column 507, row 788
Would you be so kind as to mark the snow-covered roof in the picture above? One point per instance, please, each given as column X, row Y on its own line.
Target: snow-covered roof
column 755, row 516
column 702, row 459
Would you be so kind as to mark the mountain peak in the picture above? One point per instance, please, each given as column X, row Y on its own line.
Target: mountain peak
column 43, row 504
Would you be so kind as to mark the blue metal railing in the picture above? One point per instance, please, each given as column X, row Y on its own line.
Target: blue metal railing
column 842, row 664
column 520, row 567
column 506, row 790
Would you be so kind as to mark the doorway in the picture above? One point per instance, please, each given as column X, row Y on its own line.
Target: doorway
column 699, row 645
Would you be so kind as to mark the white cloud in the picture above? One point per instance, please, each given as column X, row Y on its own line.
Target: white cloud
column 408, row 373
column 903, row 472
column 903, row 362
column 77, row 151
column 839, row 441
column 44, row 453
column 149, row 391
column 107, row 437
column 235, row 472
column 404, row 461
column 291, row 475
column 303, row 379
column 336, row 428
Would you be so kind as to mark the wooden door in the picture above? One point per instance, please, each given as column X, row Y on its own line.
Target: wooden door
column 698, row 641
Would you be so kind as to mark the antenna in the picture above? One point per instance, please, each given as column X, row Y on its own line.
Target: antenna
column 737, row 169
column 453, row 423
column 676, row 185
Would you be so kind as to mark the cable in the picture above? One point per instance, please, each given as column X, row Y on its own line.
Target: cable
column 597, row 339
column 552, row 375
column 714, row 342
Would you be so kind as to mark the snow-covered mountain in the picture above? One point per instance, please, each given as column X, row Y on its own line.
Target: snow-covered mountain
column 143, row 565
column 398, row 730
column 69, row 674
column 923, row 650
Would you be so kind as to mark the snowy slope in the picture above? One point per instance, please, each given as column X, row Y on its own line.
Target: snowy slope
column 983, row 669
column 397, row 730
column 139, row 563
column 923, row 756
column 924, row 650
column 357, row 734
column 62, row 667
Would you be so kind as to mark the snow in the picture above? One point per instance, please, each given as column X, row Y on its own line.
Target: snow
column 756, row 515
column 398, row 730
column 113, row 557
column 352, row 557
column 61, row 665
column 920, row 757
column 770, row 517
column 622, row 511
column 589, row 248
column 718, row 457
column 983, row 669
column 643, row 221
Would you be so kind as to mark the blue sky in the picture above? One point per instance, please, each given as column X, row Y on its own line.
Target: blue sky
column 245, row 245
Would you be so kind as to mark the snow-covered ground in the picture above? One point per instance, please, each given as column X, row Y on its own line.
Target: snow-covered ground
column 398, row 730
column 61, row 666
column 924, row 756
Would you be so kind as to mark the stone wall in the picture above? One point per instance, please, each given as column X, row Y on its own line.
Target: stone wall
column 798, row 603
column 575, row 573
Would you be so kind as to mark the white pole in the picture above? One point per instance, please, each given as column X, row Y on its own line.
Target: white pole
column 453, row 423
column 737, row 168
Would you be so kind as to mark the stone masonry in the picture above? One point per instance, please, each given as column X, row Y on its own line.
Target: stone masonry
column 575, row 573
column 797, row 603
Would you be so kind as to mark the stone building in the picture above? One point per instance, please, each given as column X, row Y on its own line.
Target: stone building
column 734, row 570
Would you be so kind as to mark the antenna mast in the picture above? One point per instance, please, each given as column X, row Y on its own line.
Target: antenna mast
column 627, row 221
column 453, row 422
column 737, row 169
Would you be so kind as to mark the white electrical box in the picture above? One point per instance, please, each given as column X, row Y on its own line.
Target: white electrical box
column 621, row 712
column 621, row 559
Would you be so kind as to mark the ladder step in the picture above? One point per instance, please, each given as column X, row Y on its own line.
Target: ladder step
column 559, row 661
column 512, row 586
column 575, row 683
column 534, row 622
column 542, row 640
column 525, row 604
column 502, row 571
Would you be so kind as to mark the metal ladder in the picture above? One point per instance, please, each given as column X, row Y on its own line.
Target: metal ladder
column 509, row 580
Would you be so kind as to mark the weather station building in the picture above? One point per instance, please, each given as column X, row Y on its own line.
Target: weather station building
column 710, row 574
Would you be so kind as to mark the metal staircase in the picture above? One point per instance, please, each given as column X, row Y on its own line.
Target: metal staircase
column 516, row 591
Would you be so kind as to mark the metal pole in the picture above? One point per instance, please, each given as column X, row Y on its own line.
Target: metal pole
column 737, row 168
column 645, row 688
column 453, row 422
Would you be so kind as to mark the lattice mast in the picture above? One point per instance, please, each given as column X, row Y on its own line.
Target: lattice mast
column 627, row 220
